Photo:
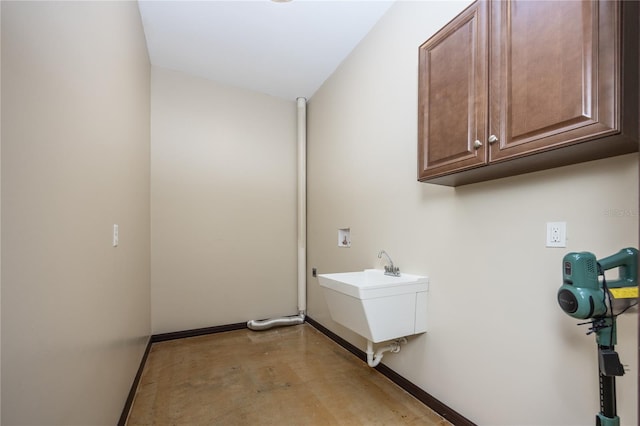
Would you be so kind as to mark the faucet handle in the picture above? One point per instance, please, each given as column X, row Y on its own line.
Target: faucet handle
column 392, row 270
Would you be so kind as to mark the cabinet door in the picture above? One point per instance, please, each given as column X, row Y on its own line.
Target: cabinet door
column 552, row 72
column 453, row 95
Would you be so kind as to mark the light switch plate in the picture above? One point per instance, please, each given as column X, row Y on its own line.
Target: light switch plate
column 116, row 237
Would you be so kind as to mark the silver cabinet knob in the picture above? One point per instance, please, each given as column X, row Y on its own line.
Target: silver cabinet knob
column 493, row 138
column 477, row 144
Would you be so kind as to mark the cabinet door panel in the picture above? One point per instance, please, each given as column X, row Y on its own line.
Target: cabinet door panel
column 552, row 74
column 452, row 93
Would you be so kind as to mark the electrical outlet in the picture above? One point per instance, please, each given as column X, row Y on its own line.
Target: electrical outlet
column 556, row 234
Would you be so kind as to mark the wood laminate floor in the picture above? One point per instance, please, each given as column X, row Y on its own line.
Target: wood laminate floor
column 283, row 376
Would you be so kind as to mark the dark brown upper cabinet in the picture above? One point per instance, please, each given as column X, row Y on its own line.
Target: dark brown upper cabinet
column 510, row 87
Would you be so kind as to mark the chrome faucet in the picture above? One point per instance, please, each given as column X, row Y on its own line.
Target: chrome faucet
column 394, row 271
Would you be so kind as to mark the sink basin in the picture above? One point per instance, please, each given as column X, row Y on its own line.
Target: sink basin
column 373, row 283
column 379, row 307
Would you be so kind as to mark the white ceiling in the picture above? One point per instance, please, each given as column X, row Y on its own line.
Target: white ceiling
column 283, row 49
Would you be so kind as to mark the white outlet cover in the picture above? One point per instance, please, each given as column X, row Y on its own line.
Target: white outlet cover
column 556, row 234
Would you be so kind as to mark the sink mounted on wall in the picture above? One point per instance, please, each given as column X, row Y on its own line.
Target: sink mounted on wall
column 378, row 307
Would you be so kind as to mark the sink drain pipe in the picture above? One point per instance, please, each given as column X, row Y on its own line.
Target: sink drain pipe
column 259, row 325
column 373, row 359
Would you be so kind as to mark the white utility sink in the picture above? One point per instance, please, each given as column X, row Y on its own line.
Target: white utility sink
column 379, row 307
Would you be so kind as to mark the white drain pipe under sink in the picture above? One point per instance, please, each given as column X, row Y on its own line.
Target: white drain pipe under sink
column 258, row 325
column 373, row 359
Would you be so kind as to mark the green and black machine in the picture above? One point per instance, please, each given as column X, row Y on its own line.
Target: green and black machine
column 584, row 295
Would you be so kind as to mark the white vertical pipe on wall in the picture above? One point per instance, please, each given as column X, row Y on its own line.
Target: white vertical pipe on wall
column 258, row 325
column 302, row 205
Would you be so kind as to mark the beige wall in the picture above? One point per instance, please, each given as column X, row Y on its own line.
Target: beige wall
column 223, row 239
column 75, row 161
column 499, row 350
